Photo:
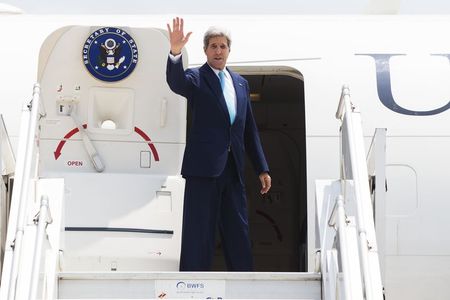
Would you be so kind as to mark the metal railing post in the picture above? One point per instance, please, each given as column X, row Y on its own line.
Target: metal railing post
column 42, row 219
column 358, row 169
column 23, row 189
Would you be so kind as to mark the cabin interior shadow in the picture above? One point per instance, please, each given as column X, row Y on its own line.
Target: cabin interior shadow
column 277, row 220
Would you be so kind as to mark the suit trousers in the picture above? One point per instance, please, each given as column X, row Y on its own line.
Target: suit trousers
column 211, row 202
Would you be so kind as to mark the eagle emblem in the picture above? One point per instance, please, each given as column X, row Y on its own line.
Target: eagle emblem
column 110, row 54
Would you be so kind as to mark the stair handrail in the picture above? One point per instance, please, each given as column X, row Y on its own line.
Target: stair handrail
column 19, row 203
column 8, row 161
column 338, row 220
column 376, row 168
column 368, row 256
column 42, row 219
column 7, row 165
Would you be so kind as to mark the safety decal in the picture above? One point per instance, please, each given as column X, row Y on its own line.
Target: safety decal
column 58, row 150
column 139, row 131
column 149, row 142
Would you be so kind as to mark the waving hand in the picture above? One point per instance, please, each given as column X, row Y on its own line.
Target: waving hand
column 177, row 37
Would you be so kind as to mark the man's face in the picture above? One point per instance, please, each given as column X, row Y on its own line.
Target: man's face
column 217, row 52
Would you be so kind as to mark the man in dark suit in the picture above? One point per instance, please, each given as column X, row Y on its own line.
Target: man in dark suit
column 222, row 130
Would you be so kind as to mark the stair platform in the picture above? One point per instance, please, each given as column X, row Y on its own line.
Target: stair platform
column 189, row 285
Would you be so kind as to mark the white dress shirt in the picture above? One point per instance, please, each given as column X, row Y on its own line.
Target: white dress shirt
column 228, row 80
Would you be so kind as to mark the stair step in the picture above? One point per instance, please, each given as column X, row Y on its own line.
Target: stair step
column 171, row 285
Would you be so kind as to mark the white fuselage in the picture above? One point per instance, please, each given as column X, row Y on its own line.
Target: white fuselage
column 398, row 71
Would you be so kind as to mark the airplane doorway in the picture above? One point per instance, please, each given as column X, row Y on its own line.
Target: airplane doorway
column 277, row 220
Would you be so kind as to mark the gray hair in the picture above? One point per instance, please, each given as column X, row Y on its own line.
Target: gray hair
column 213, row 32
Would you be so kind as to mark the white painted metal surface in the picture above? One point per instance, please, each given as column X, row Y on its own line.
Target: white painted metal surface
column 35, row 271
column 416, row 262
column 42, row 219
column 7, row 165
column 127, row 218
column 25, row 172
column 8, row 161
column 118, row 285
column 348, row 246
column 354, row 168
column 376, row 167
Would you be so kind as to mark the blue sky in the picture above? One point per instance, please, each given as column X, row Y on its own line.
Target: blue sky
column 231, row 6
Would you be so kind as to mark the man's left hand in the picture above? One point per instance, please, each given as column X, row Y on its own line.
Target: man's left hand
column 266, row 182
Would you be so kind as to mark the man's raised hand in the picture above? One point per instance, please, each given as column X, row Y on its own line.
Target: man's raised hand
column 177, row 37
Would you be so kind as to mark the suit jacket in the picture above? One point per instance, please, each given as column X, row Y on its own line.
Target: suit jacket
column 211, row 133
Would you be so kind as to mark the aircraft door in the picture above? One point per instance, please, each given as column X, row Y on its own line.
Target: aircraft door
column 116, row 133
column 108, row 83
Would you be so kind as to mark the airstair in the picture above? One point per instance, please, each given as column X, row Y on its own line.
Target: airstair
column 7, row 166
column 97, row 204
column 349, row 260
